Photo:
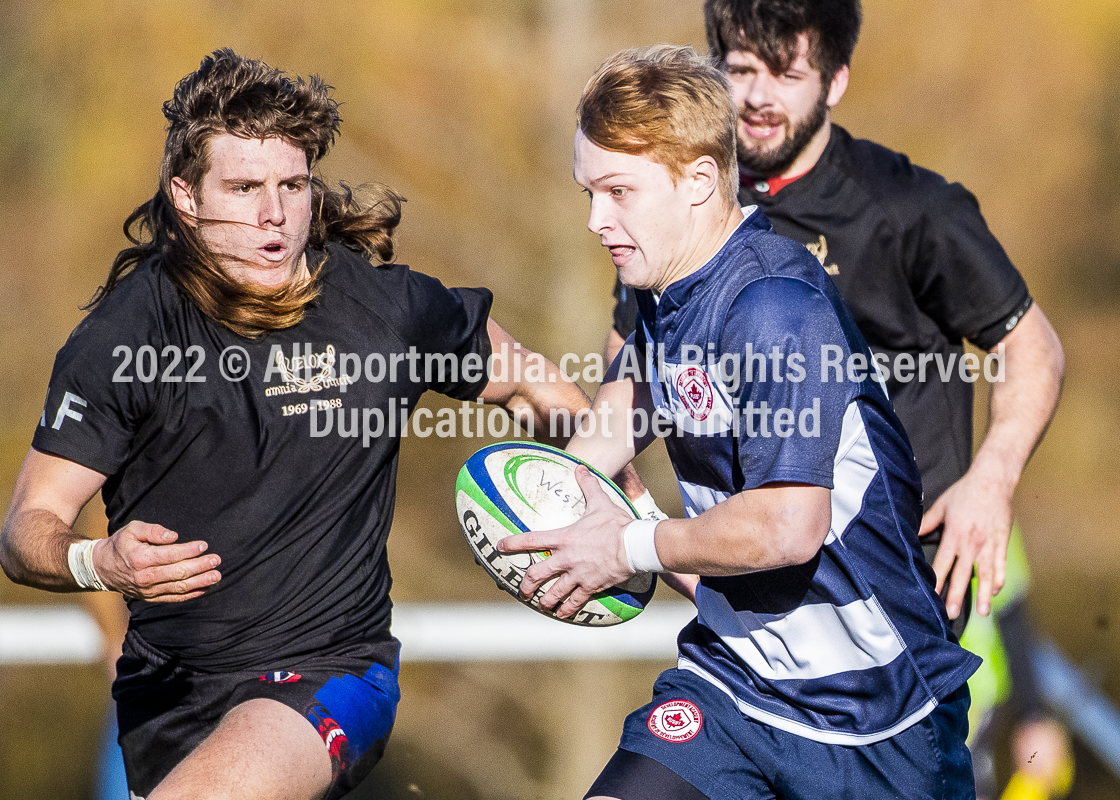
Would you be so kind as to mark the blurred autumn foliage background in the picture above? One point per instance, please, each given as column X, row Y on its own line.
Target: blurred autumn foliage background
column 467, row 108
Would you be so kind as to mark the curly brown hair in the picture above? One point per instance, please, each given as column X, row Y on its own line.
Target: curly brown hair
column 230, row 94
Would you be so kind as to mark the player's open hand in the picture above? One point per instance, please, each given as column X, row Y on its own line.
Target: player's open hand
column 143, row 560
column 976, row 520
column 587, row 556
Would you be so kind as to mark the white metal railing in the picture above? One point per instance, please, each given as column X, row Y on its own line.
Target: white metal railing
column 504, row 631
column 507, row 631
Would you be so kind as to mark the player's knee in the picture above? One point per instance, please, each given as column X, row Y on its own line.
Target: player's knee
column 261, row 748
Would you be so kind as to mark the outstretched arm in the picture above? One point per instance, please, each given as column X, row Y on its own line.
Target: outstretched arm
column 139, row 560
column 608, row 448
column 605, row 449
column 776, row 525
column 976, row 510
column 529, row 386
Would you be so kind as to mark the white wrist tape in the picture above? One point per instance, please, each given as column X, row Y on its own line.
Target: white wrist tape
column 80, row 558
column 647, row 508
column 641, row 552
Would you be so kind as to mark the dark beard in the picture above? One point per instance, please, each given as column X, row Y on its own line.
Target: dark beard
column 768, row 163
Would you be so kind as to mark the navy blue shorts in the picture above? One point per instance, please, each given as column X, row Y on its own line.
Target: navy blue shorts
column 166, row 710
column 696, row 731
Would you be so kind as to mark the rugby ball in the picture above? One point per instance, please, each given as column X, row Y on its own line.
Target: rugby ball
column 515, row 487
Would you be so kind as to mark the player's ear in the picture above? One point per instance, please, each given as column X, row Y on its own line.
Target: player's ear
column 703, row 173
column 838, row 86
column 183, row 198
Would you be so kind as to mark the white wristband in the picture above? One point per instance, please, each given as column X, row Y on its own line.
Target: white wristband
column 80, row 559
column 641, row 552
column 647, row 508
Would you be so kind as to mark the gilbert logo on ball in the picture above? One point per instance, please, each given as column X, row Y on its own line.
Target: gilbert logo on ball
column 514, row 487
column 675, row 721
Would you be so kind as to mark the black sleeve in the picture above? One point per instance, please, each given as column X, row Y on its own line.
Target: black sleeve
column 964, row 279
column 104, row 382
column 995, row 332
column 625, row 309
column 450, row 330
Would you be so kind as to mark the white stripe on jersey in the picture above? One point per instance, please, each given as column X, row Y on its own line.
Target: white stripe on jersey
column 854, row 468
column 812, row 641
column 797, row 728
column 698, row 499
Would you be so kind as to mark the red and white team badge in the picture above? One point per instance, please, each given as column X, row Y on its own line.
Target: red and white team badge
column 695, row 391
column 675, row 721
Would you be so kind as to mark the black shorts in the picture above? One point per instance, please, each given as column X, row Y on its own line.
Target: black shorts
column 692, row 742
column 633, row 776
column 166, row 710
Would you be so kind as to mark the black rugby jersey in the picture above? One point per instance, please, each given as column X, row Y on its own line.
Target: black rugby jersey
column 288, row 472
column 920, row 272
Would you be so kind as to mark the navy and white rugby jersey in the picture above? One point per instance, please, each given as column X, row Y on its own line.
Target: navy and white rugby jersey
column 763, row 372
